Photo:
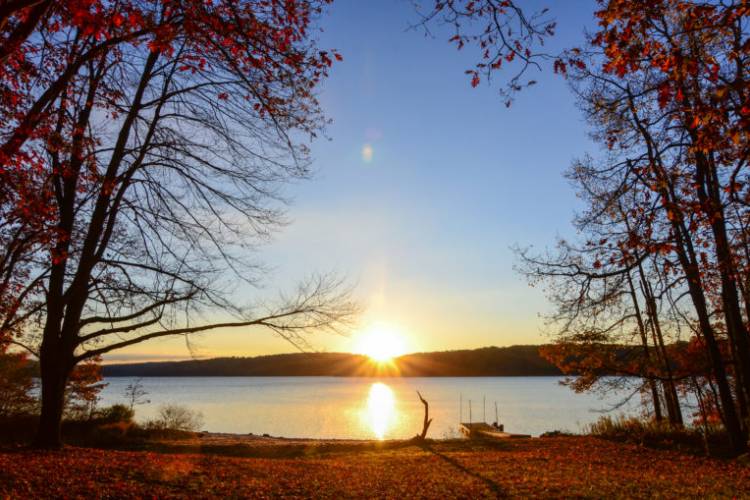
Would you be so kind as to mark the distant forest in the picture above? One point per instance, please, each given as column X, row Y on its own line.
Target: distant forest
column 488, row 361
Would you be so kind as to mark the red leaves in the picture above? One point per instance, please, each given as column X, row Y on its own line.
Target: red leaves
column 84, row 385
column 699, row 85
column 117, row 20
column 665, row 94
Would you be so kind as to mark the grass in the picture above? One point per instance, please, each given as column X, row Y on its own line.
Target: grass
column 581, row 466
column 663, row 436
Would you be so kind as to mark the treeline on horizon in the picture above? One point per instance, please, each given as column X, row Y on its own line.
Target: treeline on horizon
column 522, row 360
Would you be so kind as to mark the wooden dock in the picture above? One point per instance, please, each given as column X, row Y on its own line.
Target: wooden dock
column 485, row 430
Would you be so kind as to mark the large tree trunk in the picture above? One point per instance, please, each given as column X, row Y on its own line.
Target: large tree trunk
column 54, row 379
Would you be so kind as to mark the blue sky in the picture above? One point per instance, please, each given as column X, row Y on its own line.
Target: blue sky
column 455, row 179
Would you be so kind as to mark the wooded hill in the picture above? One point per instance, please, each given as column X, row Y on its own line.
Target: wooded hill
column 487, row 361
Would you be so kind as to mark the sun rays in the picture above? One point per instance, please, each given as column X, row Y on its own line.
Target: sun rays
column 381, row 343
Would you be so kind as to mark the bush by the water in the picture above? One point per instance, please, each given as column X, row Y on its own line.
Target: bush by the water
column 177, row 418
column 114, row 426
column 108, row 426
column 116, row 413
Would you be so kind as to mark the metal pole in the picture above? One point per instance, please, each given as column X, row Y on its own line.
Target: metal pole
column 484, row 409
column 497, row 419
column 460, row 407
column 470, row 411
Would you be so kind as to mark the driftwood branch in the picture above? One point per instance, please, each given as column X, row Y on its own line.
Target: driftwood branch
column 427, row 419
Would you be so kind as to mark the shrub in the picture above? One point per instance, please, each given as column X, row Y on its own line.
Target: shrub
column 109, row 434
column 116, row 413
column 175, row 417
column 556, row 433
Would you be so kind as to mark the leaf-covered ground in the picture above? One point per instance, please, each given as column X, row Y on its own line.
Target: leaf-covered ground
column 548, row 467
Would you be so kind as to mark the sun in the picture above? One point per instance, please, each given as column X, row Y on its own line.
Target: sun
column 381, row 343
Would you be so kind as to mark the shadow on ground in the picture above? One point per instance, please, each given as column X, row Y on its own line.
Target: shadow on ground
column 498, row 490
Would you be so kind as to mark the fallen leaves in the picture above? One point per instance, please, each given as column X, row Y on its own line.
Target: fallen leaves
column 548, row 467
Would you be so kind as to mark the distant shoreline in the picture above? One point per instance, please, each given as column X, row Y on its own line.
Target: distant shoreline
column 514, row 361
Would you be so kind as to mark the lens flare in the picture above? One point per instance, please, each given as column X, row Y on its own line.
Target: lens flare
column 367, row 153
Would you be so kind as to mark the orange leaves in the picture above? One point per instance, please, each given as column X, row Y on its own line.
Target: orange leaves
column 699, row 83
column 83, row 388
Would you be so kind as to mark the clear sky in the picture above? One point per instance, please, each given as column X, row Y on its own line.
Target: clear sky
column 422, row 189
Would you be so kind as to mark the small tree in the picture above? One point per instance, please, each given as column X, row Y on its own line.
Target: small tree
column 83, row 388
column 135, row 394
column 178, row 418
column 16, row 384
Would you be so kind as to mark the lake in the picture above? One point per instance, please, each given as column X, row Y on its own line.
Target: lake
column 368, row 408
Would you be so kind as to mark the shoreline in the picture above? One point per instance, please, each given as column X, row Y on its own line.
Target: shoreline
column 225, row 440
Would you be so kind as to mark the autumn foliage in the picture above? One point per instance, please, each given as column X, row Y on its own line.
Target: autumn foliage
column 82, row 390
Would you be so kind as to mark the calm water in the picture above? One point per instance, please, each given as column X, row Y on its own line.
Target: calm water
column 333, row 407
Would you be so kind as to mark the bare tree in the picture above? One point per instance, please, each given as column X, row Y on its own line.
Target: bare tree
column 135, row 394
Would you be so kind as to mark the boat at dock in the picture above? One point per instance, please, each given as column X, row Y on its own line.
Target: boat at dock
column 485, row 430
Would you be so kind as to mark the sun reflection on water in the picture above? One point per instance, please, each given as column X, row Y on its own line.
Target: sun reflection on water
column 381, row 409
